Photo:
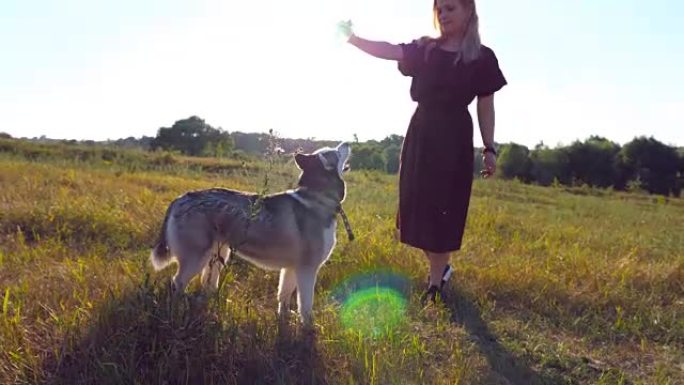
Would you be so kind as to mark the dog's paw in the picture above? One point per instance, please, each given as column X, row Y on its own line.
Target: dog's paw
column 308, row 332
column 287, row 316
column 307, row 323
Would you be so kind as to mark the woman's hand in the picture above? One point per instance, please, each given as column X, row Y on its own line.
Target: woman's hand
column 489, row 161
column 379, row 49
column 344, row 28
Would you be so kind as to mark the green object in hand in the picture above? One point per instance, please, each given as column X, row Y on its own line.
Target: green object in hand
column 344, row 28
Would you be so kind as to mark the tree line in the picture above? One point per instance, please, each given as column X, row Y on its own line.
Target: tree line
column 642, row 164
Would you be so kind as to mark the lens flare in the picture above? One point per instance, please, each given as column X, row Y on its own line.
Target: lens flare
column 373, row 304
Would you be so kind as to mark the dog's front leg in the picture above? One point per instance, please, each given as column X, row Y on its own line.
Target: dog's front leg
column 286, row 286
column 306, row 282
column 214, row 275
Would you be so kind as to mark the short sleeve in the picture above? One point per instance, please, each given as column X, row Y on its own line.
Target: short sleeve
column 488, row 77
column 412, row 59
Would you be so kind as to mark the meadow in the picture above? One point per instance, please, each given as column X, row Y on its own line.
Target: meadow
column 553, row 285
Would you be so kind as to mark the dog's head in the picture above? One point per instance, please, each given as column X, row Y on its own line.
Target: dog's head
column 322, row 170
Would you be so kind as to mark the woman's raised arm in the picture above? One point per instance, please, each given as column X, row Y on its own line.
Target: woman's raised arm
column 379, row 49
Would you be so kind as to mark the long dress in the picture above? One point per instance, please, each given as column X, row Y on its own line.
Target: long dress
column 436, row 161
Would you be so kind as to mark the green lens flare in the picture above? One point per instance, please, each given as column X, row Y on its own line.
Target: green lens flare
column 373, row 302
column 373, row 312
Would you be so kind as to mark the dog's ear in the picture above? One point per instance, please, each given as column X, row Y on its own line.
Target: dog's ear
column 303, row 161
column 329, row 159
column 343, row 151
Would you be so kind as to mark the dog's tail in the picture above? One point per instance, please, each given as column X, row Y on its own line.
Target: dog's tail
column 160, row 257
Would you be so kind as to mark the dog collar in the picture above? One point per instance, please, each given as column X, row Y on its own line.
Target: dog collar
column 347, row 227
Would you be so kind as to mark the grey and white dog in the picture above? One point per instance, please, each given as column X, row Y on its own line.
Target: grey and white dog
column 292, row 231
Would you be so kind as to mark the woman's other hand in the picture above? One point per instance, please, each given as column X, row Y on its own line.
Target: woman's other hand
column 489, row 161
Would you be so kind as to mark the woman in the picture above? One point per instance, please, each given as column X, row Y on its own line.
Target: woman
column 436, row 164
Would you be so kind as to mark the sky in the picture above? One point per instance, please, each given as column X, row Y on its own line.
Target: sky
column 93, row 69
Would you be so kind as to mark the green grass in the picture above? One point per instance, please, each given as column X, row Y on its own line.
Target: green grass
column 553, row 285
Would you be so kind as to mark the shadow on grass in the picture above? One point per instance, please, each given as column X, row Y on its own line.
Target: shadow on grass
column 465, row 312
column 148, row 337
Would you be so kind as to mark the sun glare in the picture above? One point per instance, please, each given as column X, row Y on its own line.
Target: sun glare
column 373, row 303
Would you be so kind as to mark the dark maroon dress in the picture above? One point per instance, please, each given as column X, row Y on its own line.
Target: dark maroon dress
column 436, row 164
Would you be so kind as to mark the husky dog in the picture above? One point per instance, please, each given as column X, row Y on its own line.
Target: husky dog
column 291, row 231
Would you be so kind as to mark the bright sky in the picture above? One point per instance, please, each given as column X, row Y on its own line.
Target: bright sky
column 95, row 69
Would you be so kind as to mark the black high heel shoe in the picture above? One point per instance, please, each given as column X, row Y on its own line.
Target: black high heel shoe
column 432, row 290
column 430, row 293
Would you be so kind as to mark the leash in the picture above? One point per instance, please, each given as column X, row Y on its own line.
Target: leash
column 339, row 209
column 347, row 226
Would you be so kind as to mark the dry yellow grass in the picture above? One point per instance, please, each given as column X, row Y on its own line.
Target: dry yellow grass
column 552, row 286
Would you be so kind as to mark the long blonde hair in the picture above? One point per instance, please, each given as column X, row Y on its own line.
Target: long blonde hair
column 470, row 46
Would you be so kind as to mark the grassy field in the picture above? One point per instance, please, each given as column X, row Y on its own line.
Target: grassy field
column 553, row 285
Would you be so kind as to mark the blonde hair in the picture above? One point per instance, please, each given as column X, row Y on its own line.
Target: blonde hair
column 470, row 46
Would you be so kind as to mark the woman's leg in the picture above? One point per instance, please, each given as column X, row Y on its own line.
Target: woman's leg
column 438, row 264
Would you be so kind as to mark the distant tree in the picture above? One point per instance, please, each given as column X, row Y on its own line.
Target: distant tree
column 653, row 163
column 4, row 135
column 221, row 149
column 391, row 154
column 251, row 143
column 192, row 136
column 514, row 162
column 367, row 156
column 130, row 142
column 392, row 140
column 592, row 162
column 219, row 146
column 549, row 165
